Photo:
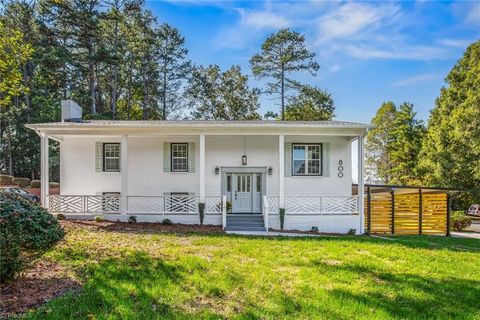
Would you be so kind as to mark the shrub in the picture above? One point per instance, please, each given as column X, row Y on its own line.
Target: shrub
column 54, row 185
column 35, row 183
column 229, row 206
column 98, row 218
column 459, row 221
column 352, row 231
column 201, row 211
column 5, row 180
column 26, row 231
column 167, row 222
column 132, row 219
column 282, row 218
column 60, row 216
column 21, row 182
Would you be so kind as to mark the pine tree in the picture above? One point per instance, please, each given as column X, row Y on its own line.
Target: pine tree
column 311, row 104
column 451, row 152
column 283, row 53
column 173, row 68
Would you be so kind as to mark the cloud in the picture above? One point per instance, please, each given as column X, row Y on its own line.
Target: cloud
column 473, row 15
column 416, row 79
column 349, row 19
column 263, row 20
column 404, row 52
column 251, row 25
column 455, row 43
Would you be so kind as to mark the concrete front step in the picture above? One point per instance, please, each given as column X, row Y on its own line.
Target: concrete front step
column 245, row 228
column 245, row 222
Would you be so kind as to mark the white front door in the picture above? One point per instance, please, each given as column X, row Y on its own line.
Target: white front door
column 242, row 193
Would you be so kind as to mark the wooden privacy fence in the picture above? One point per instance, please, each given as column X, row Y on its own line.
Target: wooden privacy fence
column 407, row 213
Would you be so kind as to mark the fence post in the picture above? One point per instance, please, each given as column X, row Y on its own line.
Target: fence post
column 420, row 211
column 448, row 215
column 392, row 193
column 369, row 210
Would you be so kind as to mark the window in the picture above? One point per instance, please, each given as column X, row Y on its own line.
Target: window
column 229, row 183
column 307, row 159
column 259, row 182
column 179, row 157
column 111, row 157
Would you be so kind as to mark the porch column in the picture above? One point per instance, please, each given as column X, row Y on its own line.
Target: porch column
column 124, row 174
column 44, row 166
column 202, row 168
column 281, row 171
column 361, row 184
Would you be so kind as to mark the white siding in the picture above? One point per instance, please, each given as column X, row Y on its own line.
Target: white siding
column 146, row 175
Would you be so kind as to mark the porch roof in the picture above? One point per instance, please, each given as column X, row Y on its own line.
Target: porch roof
column 196, row 126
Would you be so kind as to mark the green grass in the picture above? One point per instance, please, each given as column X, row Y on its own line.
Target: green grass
column 168, row 276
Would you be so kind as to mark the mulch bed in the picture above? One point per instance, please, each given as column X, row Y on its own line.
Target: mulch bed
column 141, row 227
column 45, row 281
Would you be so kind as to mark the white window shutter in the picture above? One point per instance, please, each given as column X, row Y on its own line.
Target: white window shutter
column 191, row 157
column 288, row 159
column 166, row 157
column 98, row 156
column 326, row 159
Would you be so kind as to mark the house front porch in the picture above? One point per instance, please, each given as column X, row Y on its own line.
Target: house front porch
column 295, row 173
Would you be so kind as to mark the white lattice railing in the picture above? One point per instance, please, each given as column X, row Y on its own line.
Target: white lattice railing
column 176, row 204
column 102, row 204
column 312, row 205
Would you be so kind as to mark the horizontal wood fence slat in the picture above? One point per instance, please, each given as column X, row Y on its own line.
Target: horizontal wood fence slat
column 409, row 215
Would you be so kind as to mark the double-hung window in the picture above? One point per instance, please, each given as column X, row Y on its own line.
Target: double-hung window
column 179, row 152
column 111, row 157
column 307, row 159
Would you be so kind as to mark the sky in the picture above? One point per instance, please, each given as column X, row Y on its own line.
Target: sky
column 369, row 52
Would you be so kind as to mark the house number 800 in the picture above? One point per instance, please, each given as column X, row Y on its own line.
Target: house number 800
column 340, row 168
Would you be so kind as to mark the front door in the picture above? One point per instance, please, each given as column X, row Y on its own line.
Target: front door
column 242, row 193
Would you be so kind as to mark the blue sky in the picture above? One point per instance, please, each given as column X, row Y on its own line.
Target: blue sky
column 369, row 52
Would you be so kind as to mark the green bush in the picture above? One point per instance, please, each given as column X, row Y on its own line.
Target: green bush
column 26, row 231
column 21, row 182
column 35, row 183
column 5, row 180
column 201, row 211
column 54, row 184
column 167, row 222
column 459, row 221
column 132, row 219
column 60, row 216
column 282, row 218
column 98, row 218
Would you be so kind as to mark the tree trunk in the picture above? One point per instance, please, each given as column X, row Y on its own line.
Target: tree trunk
column 283, row 92
column 91, row 75
column 115, row 70
column 165, row 92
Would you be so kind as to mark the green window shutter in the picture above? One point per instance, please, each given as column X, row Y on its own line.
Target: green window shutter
column 326, row 159
column 166, row 157
column 191, row 157
column 98, row 156
column 288, row 159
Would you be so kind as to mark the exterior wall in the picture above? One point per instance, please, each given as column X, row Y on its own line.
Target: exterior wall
column 325, row 223
column 146, row 175
column 340, row 149
column 183, row 219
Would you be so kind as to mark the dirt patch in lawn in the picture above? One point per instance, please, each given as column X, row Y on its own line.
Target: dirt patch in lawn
column 44, row 282
column 140, row 227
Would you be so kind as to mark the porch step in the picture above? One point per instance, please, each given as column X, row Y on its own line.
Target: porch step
column 245, row 222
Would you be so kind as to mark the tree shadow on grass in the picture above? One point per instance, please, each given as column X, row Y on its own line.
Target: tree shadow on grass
column 406, row 295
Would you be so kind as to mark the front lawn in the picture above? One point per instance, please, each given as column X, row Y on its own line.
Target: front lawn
column 131, row 274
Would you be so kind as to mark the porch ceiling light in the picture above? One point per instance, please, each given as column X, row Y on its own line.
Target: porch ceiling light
column 217, row 170
column 244, row 160
column 270, row 171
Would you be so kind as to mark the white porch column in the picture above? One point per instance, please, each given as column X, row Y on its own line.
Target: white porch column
column 202, row 168
column 44, row 166
column 124, row 174
column 281, row 170
column 361, row 184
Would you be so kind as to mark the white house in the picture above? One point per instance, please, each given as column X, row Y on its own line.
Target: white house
column 243, row 171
